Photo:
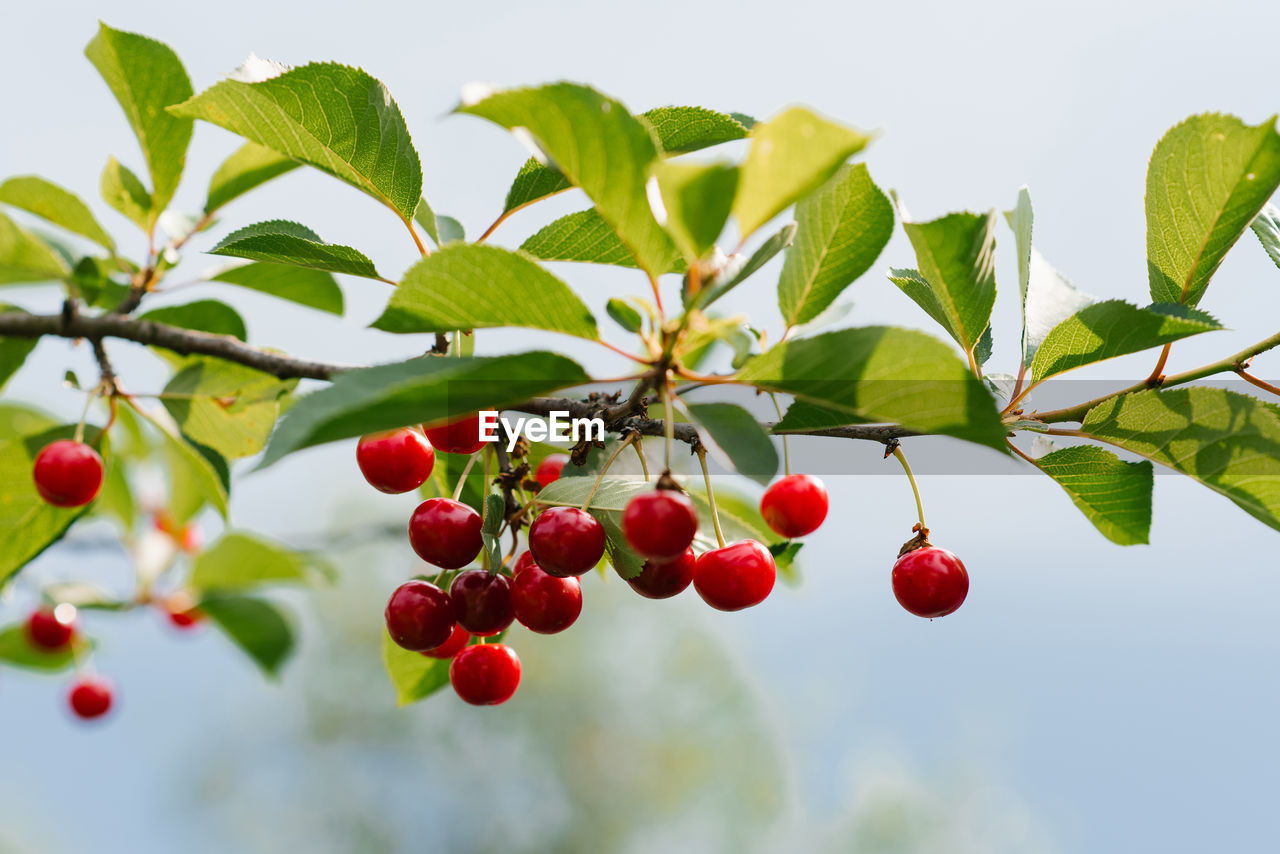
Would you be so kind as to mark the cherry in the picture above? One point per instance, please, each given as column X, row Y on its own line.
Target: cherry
column 566, row 541
column 549, row 469
column 67, row 473
column 52, row 629
column 544, row 603
column 456, row 437
column 459, row 639
column 522, row 563
column 930, row 582
column 181, row 611
column 664, row 579
column 419, row 616
column 795, row 505
column 660, row 523
column 90, row 697
column 395, row 461
column 735, row 576
column 445, row 532
column 485, row 674
column 482, row 601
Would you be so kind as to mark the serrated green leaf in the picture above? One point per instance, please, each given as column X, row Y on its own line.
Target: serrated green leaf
column 16, row 650
column 956, row 282
column 199, row 474
column 25, row 257
column 585, row 237
column 1266, row 225
column 470, row 286
column 305, row 286
column 282, row 242
column 225, row 406
column 249, row 166
column 206, row 315
column 791, row 155
column 734, row 436
column 259, row 628
column 1208, row 178
column 1113, row 494
column 240, row 561
column 47, row 200
column 338, row 119
column 841, row 230
column 13, row 351
column 124, row 191
column 696, row 198
column 733, row 276
column 146, row 77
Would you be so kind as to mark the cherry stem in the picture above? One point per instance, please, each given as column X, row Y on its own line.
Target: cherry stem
column 462, row 478
column 622, row 446
column 1260, row 383
column 669, row 420
column 644, row 463
column 1157, row 373
column 786, row 452
column 711, row 494
column 915, row 488
column 1019, row 451
column 84, row 415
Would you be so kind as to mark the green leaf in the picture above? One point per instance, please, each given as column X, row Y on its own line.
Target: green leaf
column 532, row 183
column 1051, row 299
column 732, row 276
column 422, row 390
column 450, row 230
column 841, row 230
column 415, row 676
column 470, row 286
column 495, row 508
column 584, row 236
column 50, row 202
column 116, row 500
column 282, row 242
column 313, row 288
column 1022, row 221
column 1208, row 178
column 124, row 191
column 18, row 651
column 25, row 257
column 257, row 627
column 696, row 198
column 13, row 351
column 1266, row 225
column 791, row 155
column 1229, row 442
column 335, row 118
column 624, row 314
column 205, row 315
column 956, row 282
column 225, row 406
column 1113, row 328
column 1113, row 494
column 802, row 416
column 598, row 146
column 17, row 419
column 240, row 561
column 249, row 166
column 199, row 474
column 735, row 435
column 146, row 77
column 883, row 374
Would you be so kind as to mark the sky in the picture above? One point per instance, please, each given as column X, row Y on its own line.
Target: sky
column 1086, row 698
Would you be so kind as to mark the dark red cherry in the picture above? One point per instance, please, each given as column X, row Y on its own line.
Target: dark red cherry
column 456, row 437
column 660, row 524
column 482, row 602
column 566, row 541
column 736, row 576
column 930, row 582
column 795, row 505
column 544, row 603
column 460, row 638
column 419, row 615
column 523, row 562
column 445, row 532
column 67, row 473
column 395, row 461
column 52, row 628
column 549, row 469
column 90, row 697
column 485, row 674
column 664, row 579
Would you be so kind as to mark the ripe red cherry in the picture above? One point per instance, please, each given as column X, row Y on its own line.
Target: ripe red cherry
column 795, row 505
column 181, row 611
column 735, row 576
column 456, row 437
column 930, row 582
column 549, row 469
column 566, row 541
column 67, row 473
column 52, row 629
column 660, row 524
column 482, row 601
column 522, row 563
column 419, row 615
column 664, row 579
column 544, row 603
column 445, row 532
column 459, row 639
column 485, row 674
column 395, row 461
column 90, row 697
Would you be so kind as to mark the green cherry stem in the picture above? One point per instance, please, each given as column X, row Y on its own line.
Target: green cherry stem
column 786, row 452
column 466, row 470
column 897, row 452
column 622, row 446
column 669, row 420
column 644, row 463
column 711, row 494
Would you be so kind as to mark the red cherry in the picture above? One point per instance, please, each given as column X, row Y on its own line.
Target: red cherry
column 460, row 638
column 90, row 697
column 181, row 611
column 395, row 461
column 52, row 629
column 67, row 473
column 485, row 674
column 735, row 576
column 419, row 616
column 544, row 603
column 482, row 601
column 456, row 437
column 795, row 505
column 566, row 541
column 549, row 469
column 664, row 579
column 660, row 524
column 523, row 562
column 930, row 582
column 445, row 532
